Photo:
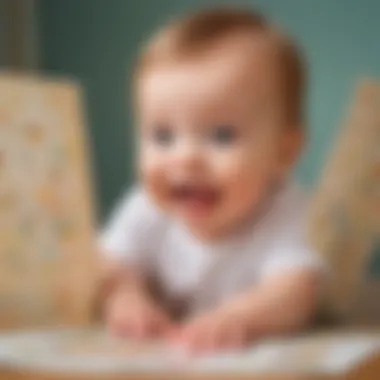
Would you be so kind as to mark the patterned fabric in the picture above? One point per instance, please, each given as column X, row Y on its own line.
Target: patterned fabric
column 45, row 204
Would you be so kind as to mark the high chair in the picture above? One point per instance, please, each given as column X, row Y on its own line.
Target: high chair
column 48, row 268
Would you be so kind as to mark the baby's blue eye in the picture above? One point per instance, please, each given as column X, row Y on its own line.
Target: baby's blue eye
column 163, row 136
column 224, row 134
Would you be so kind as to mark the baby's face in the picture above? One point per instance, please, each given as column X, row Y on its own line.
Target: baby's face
column 212, row 137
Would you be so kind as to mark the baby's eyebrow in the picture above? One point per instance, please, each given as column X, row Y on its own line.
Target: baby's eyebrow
column 218, row 124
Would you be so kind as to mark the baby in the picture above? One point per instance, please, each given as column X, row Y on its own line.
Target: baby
column 209, row 249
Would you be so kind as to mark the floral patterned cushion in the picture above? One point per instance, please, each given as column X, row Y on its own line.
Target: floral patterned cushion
column 45, row 204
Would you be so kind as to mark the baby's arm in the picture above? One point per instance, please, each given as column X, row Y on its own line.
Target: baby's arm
column 282, row 303
column 283, row 299
column 129, row 308
column 114, row 275
column 125, row 252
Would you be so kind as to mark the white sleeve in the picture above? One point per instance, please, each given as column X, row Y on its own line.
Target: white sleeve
column 132, row 231
column 290, row 257
column 290, row 248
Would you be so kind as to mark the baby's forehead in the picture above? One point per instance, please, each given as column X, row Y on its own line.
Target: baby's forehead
column 234, row 53
column 233, row 73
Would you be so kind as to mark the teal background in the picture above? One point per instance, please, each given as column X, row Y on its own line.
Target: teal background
column 3, row 27
column 97, row 40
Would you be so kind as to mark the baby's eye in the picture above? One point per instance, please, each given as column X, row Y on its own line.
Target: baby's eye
column 163, row 135
column 224, row 134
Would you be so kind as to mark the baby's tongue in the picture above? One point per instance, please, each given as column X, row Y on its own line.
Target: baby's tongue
column 199, row 198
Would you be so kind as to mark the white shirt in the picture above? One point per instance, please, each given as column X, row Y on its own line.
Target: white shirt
column 207, row 274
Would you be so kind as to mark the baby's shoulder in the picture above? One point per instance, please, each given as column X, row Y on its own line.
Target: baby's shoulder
column 290, row 211
column 137, row 208
column 295, row 202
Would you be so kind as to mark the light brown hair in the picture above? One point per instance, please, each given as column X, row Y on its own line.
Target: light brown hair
column 193, row 35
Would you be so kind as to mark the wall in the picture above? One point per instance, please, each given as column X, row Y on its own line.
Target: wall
column 3, row 46
column 18, row 38
column 96, row 43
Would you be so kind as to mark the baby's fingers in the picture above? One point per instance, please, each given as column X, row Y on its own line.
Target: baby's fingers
column 159, row 324
column 118, row 326
column 198, row 336
column 235, row 338
column 209, row 335
column 214, row 338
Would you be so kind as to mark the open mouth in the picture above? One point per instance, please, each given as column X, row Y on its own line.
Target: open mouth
column 195, row 198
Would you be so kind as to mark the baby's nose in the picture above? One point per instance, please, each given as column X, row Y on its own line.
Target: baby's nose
column 188, row 155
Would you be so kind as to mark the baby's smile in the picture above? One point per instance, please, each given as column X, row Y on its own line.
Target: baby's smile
column 195, row 199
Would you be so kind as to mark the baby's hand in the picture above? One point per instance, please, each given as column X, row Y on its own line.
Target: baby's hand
column 133, row 314
column 220, row 330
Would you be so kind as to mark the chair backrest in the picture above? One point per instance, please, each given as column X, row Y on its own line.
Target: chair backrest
column 345, row 215
column 46, row 209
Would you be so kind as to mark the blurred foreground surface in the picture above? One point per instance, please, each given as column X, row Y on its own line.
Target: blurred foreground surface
column 93, row 353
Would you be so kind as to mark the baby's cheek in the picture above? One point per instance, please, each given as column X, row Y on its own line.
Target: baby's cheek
column 152, row 171
column 227, row 164
column 237, row 166
column 151, row 163
column 246, row 179
column 247, row 192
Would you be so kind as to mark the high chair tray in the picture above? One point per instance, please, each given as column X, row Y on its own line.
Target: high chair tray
column 93, row 354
